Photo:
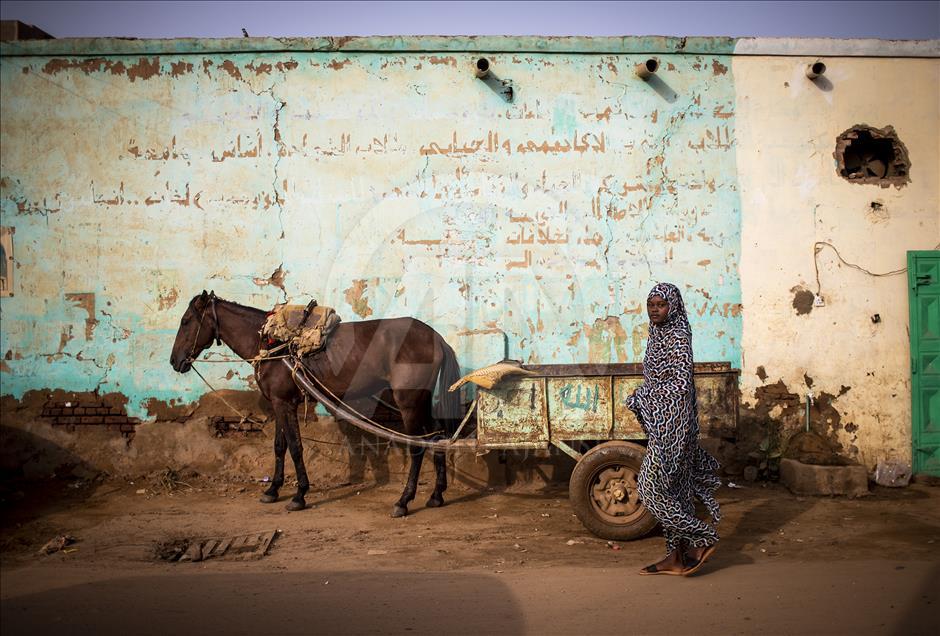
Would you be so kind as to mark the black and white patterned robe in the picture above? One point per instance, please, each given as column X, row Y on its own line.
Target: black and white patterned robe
column 676, row 470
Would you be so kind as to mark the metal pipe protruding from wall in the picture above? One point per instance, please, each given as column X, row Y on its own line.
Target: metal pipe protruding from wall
column 815, row 69
column 645, row 70
column 483, row 67
column 809, row 402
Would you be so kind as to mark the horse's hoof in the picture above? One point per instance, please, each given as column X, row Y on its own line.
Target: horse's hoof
column 399, row 511
column 294, row 505
column 266, row 498
column 435, row 502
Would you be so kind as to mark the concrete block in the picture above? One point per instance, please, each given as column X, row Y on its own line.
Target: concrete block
column 893, row 474
column 812, row 479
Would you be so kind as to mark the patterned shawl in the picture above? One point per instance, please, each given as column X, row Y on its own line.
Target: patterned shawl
column 665, row 404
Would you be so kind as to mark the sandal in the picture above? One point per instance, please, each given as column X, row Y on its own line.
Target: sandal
column 692, row 569
column 652, row 569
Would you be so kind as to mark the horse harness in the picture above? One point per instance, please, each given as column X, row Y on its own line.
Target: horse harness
column 215, row 325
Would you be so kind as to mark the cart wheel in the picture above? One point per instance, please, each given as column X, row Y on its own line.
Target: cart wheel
column 604, row 494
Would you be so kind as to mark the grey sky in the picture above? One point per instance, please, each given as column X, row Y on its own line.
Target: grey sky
column 855, row 19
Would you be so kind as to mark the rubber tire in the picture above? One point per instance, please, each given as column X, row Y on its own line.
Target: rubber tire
column 579, row 490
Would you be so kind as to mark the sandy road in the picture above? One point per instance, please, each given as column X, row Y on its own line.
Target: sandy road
column 511, row 562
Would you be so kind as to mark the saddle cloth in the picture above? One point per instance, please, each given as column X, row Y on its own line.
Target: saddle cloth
column 490, row 376
column 305, row 328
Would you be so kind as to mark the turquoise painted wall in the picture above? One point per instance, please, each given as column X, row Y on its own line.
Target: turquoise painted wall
column 382, row 183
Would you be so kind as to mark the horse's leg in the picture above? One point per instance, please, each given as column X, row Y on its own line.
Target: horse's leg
column 436, row 500
column 280, row 448
column 411, row 486
column 410, row 405
column 296, row 448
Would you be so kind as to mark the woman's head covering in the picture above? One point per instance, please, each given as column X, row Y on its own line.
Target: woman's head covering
column 677, row 316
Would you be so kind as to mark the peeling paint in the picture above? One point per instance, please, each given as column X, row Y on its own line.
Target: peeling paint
column 180, row 68
column 450, row 59
column 229, row 67
column 259, row 68
column 802, row 300
column 877, row 212
column 168, row 298
column 144, row 69
column 607, row 340
column 276, row 279
column 355, row 298
column 337, row 64
column 86, row 302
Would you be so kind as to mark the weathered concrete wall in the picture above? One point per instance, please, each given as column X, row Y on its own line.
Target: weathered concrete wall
column 792, row 197
column 381, row 184
column 380, row 177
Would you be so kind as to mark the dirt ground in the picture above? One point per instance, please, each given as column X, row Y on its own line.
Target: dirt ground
column 508, row 561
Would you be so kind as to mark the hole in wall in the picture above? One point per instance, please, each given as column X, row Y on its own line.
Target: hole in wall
column 868, row 155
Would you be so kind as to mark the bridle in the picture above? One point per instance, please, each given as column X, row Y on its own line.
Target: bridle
column 215, row 325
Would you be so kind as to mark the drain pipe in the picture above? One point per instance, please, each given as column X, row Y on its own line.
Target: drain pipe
column 809, row 402
column 645, row 70
column 815, row 69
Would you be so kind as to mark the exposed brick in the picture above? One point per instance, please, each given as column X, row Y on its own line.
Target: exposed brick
column 67, row 420
column 115, row 419
column 127, row 428
column 92, row 419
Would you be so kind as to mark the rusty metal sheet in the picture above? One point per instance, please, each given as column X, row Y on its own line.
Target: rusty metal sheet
column 717, row 394
column 588, row 368
column 513, row 413
column 717, row 404
column 626, row 426
column 616, row 369
column 527, row 412
column 580, row 407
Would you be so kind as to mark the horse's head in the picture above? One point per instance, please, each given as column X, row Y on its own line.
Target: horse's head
column 198, row 327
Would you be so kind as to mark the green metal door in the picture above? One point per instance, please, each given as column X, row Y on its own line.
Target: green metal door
column 923, row 271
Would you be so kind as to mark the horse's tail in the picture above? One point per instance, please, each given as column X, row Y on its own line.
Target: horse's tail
column 448, row 404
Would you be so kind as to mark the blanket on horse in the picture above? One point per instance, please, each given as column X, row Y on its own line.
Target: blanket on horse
column 305, row 328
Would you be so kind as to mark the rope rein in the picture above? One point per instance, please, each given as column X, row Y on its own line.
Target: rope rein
column 300, row 368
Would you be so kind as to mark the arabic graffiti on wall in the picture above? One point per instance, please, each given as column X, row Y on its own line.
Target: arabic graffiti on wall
column 380, row 184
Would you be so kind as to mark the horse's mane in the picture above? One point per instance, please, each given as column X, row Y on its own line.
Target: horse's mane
column 245, row 310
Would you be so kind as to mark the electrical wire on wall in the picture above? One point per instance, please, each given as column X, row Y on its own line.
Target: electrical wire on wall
column 818, row 246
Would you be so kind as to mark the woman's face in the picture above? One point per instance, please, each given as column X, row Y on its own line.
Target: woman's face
column 658, row 309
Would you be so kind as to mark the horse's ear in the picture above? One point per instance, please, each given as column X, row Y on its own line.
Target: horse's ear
column 204, row 293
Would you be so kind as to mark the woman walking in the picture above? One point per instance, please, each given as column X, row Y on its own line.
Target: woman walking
column 676, row 470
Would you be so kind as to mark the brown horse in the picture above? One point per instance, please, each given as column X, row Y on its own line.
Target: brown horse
column 361, row 359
